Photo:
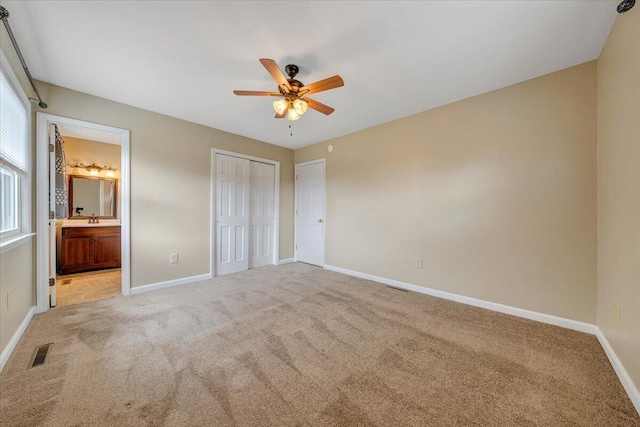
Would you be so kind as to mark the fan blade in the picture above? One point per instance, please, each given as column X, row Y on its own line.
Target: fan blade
column 322, row 85
column 255, row 93
column 281, row 116
column 275, row 72
column 318, row 106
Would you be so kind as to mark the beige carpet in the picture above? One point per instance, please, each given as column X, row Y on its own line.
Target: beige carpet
column 89, row 286
column 298, row 345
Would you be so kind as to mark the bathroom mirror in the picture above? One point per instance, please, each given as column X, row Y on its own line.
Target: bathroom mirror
column 92, row 196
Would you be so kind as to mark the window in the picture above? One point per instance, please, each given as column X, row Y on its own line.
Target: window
column 15, row 192
column 9, row 204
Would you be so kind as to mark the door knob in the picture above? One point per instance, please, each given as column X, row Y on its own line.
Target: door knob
column 319, row 220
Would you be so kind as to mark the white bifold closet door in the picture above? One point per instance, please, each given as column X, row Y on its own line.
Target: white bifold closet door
column 232, row 214
column 262, row 211
column 245, row 207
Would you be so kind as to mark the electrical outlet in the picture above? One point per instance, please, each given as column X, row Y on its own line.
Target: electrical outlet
column 9, row 297
column 173, row 258
column 418, row 263
column 618, row 313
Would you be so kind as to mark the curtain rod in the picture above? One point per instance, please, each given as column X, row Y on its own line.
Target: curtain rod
column 4, row 15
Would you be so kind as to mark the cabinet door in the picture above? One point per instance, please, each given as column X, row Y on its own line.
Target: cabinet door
column 77, row 251
column 107, row 249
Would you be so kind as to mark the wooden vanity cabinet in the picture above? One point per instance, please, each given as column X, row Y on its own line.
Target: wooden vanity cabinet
column 88, row 248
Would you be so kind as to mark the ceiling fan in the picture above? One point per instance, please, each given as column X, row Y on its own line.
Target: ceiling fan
column 293, row 92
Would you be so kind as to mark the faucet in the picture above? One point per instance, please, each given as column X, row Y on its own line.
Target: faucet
column 93, row 219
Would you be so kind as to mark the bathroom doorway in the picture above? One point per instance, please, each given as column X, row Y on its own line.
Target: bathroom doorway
column 83, row 229
column 88, row 218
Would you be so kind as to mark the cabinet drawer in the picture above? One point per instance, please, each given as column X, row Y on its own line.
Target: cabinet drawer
column 86, row 231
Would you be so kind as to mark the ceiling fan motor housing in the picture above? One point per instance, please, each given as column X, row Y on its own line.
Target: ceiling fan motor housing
column 292, row 70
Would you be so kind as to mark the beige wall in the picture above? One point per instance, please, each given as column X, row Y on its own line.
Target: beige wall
column 619, row 190
column 17, row 267
column 497, row 193
column 83, row 151
column 16, row 276
column 171, row 182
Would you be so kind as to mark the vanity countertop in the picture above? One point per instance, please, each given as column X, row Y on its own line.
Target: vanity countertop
column 83, row 223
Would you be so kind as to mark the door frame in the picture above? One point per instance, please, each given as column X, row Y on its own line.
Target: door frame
column 43, row 121
column 212, row 216
column 295, row 207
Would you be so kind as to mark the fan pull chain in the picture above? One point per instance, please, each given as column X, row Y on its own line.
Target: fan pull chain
column 290, row 129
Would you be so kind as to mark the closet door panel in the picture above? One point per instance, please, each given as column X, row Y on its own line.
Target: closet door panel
column 262, row 213
column 232, row 214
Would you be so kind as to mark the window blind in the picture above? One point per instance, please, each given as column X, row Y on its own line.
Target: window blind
column 14, row 128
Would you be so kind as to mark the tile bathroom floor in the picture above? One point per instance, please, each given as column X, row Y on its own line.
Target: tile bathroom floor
column 89, row 286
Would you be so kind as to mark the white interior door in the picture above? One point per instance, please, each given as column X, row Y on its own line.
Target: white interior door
column 310, row 225
column 262, row 214
column 52, row 221
column 232, row 214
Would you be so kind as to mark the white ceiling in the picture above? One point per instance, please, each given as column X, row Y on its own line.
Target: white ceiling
column 184, row 58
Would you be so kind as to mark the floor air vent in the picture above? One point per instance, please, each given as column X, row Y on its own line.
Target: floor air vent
column 397, row 289
column 39, row 356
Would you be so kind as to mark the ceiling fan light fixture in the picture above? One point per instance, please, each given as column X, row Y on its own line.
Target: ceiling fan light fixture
column 290, row 103
column 300, row 105
column 292, row 115
column 280, row 106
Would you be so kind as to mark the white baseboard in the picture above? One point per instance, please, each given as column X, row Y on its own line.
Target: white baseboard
column 514, row 311
column 286, row 261
column 169, row 283
column 622, row 373
column 6, row 353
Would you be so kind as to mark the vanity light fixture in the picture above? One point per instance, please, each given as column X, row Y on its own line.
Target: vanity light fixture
column 94, row 170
